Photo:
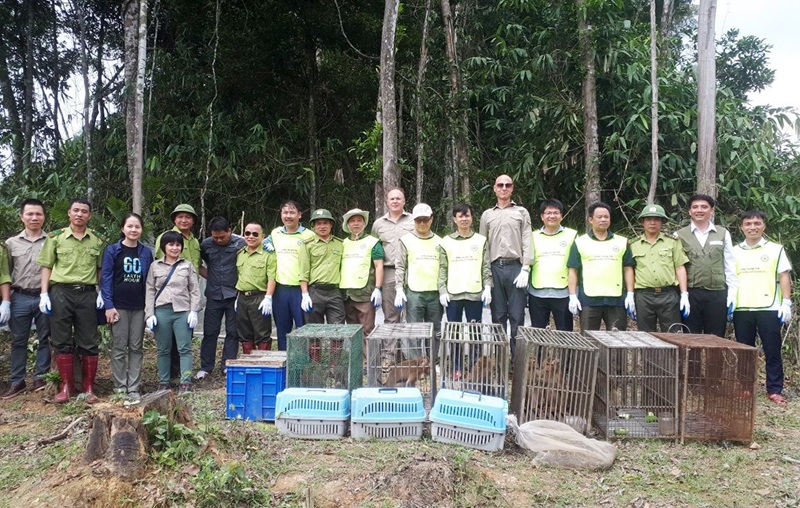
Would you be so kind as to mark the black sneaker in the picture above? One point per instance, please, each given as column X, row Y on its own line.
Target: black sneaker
column 184, row 389
column 163, row 386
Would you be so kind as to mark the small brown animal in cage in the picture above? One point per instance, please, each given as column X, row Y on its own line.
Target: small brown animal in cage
column 545, row 384
column 408, row 372
column 482, row 376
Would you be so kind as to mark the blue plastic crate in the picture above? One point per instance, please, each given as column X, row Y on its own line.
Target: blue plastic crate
column 252, row 391
column 387, row 405
column 470, row 409
column 316, row 403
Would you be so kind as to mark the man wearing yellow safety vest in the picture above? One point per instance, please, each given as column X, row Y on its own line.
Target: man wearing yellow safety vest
column 507, row 227
column 283, row 288
column 388, row 229
column 417, row 267
column 599, row 263
column 764, row 298
column 362, row 272
column 548, row 292
column 711, row 270
column 320, row 271
column 660, row 275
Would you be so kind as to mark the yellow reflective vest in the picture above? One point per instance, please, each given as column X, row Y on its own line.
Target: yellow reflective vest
column 464, row 264
column 602, row 273
column 287, row 250
column 357, row 262
column 422, row 268
column 757, row 270
column 549, row 268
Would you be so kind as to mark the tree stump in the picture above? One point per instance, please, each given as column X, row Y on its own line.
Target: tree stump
column 118, row 437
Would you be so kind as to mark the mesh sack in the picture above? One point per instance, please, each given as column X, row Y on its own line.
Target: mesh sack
column 557, row 444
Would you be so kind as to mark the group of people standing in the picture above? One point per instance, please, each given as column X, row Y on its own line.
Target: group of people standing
column 694, row 281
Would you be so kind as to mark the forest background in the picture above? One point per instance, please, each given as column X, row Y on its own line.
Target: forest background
column 243, row 104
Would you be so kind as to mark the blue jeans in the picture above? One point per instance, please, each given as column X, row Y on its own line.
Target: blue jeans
column 286, row 310
column 173, row 324
column 24, row 311
column 212, row 324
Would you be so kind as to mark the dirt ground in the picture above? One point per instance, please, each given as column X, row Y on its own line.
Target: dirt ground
column 289, row 472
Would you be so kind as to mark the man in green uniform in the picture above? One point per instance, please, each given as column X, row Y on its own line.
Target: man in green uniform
column 417, row 268
column 184, row 217
column 71, row 259
column 285, row 243
column 764, row 300
column 320, row 272
column 253, row 306
column 362, row 272
column 599, row 263
column 660, row 275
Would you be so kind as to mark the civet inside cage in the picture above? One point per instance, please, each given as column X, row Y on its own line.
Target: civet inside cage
column 475, row 357
column 325, row 356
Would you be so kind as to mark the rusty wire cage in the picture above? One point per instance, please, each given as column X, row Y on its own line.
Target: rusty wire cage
column 325, row 356
column 636, row 394
column 717, row 387
column 475, row 357
column 399, row 354
column 554, row 377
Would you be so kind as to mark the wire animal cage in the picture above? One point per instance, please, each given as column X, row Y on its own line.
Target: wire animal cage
column 636, row 394
column 554, row 377
column 717, row 387
column 399, row 354
column 325, row 356
column 475, row 357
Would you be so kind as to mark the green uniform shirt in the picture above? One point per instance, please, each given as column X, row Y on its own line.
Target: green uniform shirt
column 72, row 261
column 321, row 262
column 253, row 269
column 5, row 271
column 190, row 252
column 656, row 262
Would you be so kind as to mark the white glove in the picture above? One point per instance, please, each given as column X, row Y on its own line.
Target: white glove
column 486, row 296
column 236, row 305
column 265, row 306
column 630, row 305
column 44, row 303
column 685, row 307
column 267, row 244
column 574, row 304
column 100, row 303
column 151, row 323
column 444, row 299
column 5, row 311
column 784, row 312
column 400, row 299
column 376, row 298
column 521, row 282
column 731, row 302
column 305, row 302
column 192, row 319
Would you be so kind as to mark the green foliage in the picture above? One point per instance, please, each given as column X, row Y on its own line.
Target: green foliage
column 172, row 444
column 226, row 485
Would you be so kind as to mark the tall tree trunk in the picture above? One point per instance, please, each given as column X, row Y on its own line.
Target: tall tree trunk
column 311, row 56
column 423, row 65
column 456, row 113
column 12, row 112
column 137, row 173
column 391, row 170
column 88, row 127
column 135, row 25
column 29, row 85
column 666, row 17
column 55, row 86
column 706, row 100
column 591, row 147
column 651, row 195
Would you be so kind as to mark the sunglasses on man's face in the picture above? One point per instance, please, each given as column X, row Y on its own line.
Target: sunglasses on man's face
column 504, row 185
column 251, row 233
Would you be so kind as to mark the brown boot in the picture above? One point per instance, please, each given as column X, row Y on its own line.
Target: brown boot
column 64, row 365
column 247, row 347
column 89, row 372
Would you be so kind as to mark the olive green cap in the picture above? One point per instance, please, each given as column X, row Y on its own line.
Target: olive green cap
column 321, row 213
column 183, row 207
column 653, row 211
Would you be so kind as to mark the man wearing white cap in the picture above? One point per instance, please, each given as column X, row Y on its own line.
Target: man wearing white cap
column 417, row 268
column 362, row 271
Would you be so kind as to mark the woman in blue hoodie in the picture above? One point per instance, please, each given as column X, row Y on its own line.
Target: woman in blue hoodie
column 125, row 265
